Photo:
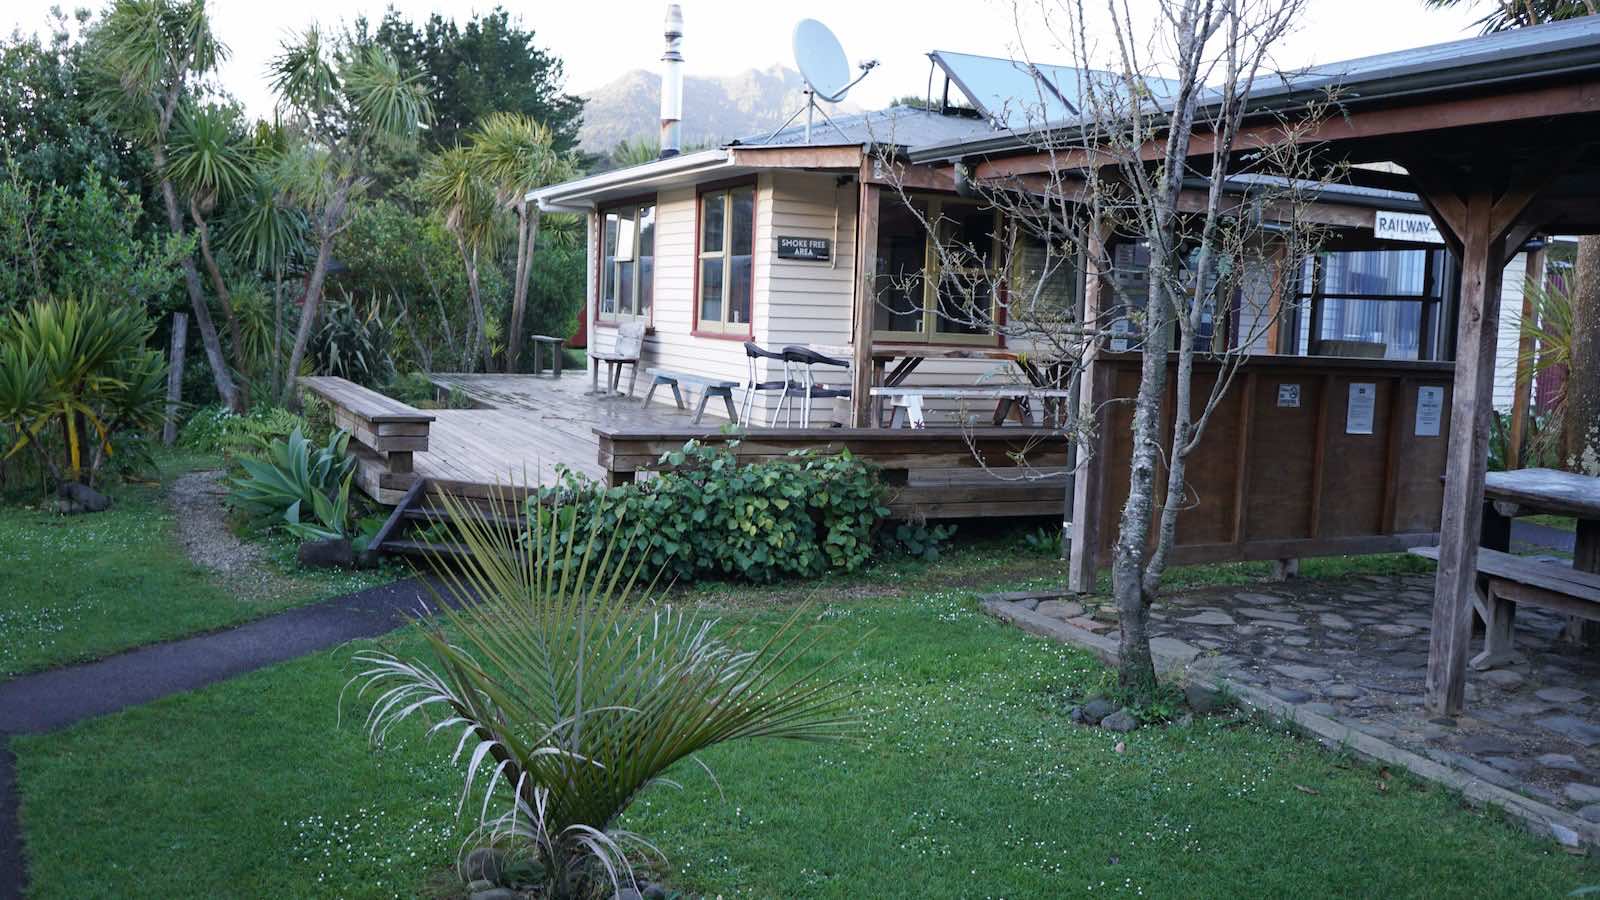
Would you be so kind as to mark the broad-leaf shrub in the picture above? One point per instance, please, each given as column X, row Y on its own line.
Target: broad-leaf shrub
column 710, row 515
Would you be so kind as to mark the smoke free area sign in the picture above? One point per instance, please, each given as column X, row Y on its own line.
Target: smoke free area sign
column 1399, row 226
column 807, row 248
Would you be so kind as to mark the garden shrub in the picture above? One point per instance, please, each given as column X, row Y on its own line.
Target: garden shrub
column 710, row 515
column 217, row 429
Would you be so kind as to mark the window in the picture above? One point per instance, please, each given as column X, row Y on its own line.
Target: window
column 727, row 237
column 627, row 263
column 1380, row 303
column 921, row 297
column 1130, row 286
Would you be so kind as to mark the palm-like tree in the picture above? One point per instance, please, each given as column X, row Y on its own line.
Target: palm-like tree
column 1504, row 15
column 265, row 228
column 211, row 162
column 574, row 687
column 516, row 154
column 465, row 202
column 148, row 54
column 343, row 98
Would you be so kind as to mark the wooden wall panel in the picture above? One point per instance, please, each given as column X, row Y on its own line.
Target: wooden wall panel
column 1271, row 478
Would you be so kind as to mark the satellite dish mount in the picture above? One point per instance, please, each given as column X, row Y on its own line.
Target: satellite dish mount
column 821, row 61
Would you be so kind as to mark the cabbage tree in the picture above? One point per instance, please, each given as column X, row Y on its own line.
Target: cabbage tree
column 516, row 154
column 343, row 99
column 148, row 58
column 466, row 205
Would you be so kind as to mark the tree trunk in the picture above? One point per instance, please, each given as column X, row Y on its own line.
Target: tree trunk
column 312, row 299
column 197, row 296
column 1136, row 671
column 478, row 343
column 224, row 298
column 277, row 321
column 527, row 230
column 1582, row 426
column 180, row 338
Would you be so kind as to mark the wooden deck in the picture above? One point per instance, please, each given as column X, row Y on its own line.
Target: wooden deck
column 525, row 426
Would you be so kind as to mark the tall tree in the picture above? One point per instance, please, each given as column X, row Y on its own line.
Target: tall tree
column 466, row 204
column 149, row 57
column 489, row 64
column 344, row 98
column 1580, row 444
column 210, row 162
column 1128, row 167
column 515, row 154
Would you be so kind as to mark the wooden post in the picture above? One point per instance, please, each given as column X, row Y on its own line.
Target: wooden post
column 1522, row 388
column 1479, row 223
column 1086, row 482
column 180, row 340
column 866, row 302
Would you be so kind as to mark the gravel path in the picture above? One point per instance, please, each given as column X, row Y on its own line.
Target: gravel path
column 203, row 531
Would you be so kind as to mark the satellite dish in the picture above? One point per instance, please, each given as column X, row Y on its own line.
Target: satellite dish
column 821, row 60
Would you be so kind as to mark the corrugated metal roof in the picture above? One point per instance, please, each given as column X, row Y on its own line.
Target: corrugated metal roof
column 1540, row 52
column 902, row 126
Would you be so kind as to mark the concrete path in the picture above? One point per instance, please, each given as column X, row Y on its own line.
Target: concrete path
column 56, row 698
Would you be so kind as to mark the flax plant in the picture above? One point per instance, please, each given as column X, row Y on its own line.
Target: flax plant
column 575, row 686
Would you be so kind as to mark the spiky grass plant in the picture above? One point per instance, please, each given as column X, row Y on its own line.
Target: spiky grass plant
column 570, row 680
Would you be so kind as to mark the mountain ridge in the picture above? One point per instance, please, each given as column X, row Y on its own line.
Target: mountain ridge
column 716, row 108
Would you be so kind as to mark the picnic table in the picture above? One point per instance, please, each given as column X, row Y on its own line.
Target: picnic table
column 1526, row 492
column 907, row 401
column 906, row 357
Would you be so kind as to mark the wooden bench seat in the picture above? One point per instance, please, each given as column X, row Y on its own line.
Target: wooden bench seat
column 709, row 387
column 1505, row 580
column 382, row 425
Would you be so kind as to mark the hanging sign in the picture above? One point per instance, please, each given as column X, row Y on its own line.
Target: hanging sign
column 807, row 248
column 1400, row 226
column 1430, row 411
column 1358, row 413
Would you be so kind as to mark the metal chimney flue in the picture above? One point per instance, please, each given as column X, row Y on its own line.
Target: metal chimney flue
column 672, row 83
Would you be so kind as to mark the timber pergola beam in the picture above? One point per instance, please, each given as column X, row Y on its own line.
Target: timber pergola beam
column 1485, row 212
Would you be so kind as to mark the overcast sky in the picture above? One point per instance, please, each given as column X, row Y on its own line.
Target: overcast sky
column 600, row 39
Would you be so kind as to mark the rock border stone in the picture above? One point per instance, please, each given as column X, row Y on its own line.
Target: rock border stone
column 1539, row 818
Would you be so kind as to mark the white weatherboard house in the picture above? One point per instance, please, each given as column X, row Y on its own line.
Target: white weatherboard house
column 761, row 240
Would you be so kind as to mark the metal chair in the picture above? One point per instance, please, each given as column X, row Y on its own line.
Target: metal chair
column 753, row 354
column 799, row 369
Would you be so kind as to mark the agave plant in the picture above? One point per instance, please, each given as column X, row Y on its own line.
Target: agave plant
column 309, row 487
column 575, row 688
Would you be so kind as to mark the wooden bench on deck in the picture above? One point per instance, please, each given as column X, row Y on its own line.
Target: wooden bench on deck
column 379, row 426
column 1505, row 580
column 709, row 387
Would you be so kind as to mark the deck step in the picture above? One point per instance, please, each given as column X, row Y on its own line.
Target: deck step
column 435, row 514
column 428, row 549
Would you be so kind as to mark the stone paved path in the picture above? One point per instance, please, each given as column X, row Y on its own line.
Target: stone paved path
column 56, row 698
column 1356, row 650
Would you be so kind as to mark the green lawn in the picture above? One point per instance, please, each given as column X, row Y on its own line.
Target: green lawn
column 968, row 781
column 80, row 587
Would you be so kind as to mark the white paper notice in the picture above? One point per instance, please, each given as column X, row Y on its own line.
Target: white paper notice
column 1289, row 395
column 1430, row 411
column 1358, row 416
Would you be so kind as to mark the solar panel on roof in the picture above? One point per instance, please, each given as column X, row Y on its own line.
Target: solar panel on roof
column 1017, row 94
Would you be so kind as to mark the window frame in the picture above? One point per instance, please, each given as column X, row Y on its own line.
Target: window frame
column 933, row 274
column 635, row 205
column 722, row 329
